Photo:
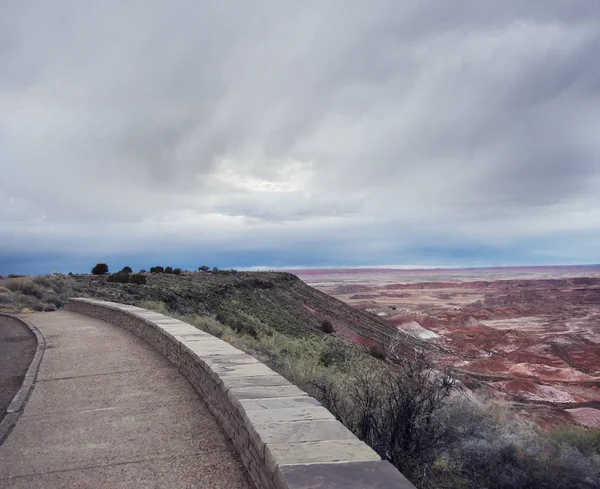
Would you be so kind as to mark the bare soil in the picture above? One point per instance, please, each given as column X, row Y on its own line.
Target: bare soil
column 527, row 335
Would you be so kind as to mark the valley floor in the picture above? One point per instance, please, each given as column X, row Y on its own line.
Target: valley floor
column 527, row 335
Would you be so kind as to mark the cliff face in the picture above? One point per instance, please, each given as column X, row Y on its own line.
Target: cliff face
column 266, row 300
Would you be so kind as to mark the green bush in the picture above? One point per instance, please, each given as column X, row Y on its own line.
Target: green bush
column 169, row 270
column 127, row 270
column 177, row 271
column 157, row 269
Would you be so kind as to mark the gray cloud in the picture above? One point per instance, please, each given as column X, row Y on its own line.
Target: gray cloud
column 368, row 127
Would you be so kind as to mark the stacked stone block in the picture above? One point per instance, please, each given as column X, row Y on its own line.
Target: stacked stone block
column 285, row 438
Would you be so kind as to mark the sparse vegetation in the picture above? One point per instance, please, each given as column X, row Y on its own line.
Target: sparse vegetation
column 168, row 270
column 413, row 415
column 127, row 270
column 119, row 277
column 26, row 287
column 127, row 278
column 137, row 278
column 586, row 440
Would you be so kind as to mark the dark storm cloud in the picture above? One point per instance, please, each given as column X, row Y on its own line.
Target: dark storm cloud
column 372, row 127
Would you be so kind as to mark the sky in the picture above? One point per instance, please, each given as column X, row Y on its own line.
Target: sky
column 283, row 133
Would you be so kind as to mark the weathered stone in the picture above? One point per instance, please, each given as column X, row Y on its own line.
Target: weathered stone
column 299, row 431
column 314, row 452
column 242, row 370
column 353, row 475
column 278, row 403
column 261, row 381
column 263, row 392
column 306, row 413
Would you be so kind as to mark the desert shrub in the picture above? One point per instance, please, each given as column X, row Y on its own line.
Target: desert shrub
column 208, row 324
column 49, row 307
column 43, row 280
column 333, row 353
column 15, row 275
column 119, row 277
column 327, row 327
column 240, row 326
column 100, row 269
column 25, row 286
column 248, row 329
column 6, row 298
column 127, row 270
column 494, row 448
column 137, row 278
column 586, row 440
column 377, row 352
column 56, row 300
column 169, row 270
column 204, row 268
column 26, row 302
column 177, row 271
column 395, row 409
column 157, row 306
column 157, row 269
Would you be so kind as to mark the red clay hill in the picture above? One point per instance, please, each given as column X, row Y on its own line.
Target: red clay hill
column 527, row 335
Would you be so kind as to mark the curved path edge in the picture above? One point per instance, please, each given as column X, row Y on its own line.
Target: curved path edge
column 15, row 408
column 285, row 438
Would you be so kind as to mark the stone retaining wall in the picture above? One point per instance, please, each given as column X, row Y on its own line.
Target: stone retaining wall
column 285, row 438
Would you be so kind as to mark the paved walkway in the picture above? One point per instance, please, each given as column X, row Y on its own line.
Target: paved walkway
column 109, row 411
column 17, row 347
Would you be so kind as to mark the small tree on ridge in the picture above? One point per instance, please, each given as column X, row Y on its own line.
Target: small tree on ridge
column 100, row 269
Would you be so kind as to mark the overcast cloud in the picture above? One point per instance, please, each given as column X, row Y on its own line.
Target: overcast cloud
column 462, row 132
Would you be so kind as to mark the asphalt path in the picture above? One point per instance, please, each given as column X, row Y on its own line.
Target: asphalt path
column 109, row 411
column 17, row 348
